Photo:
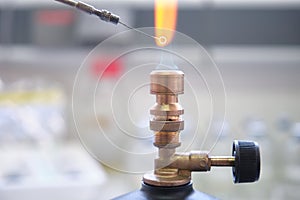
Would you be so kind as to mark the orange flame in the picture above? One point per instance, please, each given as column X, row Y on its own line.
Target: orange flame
column 165, row 21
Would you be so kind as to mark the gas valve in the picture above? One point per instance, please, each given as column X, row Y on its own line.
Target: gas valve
column 245, row 161
column 171, row 178
column 173, row 168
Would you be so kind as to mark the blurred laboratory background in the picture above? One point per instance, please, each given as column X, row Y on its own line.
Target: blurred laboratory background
column 255, row 44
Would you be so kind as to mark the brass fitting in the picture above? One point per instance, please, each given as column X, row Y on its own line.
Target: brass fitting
column 174, row 169
column 166, row 122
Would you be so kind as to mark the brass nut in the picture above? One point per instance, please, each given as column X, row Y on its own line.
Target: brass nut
column 167, row 126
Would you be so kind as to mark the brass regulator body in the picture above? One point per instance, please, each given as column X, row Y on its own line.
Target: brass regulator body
column 174, row 169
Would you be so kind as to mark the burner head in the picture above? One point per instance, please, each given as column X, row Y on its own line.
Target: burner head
column 168, row 82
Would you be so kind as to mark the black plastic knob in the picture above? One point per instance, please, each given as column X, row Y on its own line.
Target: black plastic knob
column 247, row 161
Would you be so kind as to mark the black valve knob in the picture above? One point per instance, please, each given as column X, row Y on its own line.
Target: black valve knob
column 247, row 161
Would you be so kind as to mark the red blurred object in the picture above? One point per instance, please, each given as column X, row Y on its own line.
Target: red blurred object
column 55, row 17
column 113, row 70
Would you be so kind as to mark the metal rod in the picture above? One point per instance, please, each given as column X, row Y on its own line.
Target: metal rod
column 68, row 2
column 222, row 161
column 102, row 14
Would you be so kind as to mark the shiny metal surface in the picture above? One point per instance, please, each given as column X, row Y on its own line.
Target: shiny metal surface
column 102, row 14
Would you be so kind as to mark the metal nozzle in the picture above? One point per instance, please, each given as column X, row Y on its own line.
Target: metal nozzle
column 102, row 14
